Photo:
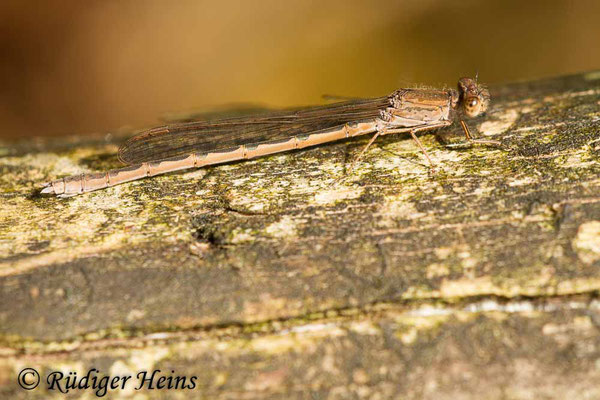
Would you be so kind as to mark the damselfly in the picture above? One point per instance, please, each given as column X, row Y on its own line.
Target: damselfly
column 201, row 143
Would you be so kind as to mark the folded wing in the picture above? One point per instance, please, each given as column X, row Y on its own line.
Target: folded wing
column 206, row 136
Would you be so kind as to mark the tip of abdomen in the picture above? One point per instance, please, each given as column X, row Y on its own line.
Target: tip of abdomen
column 57, row 187
column 47, row 188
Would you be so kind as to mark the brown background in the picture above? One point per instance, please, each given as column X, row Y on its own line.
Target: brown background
column 96, row 66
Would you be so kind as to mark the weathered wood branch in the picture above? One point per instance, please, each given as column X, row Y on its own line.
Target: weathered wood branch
column 266, row 279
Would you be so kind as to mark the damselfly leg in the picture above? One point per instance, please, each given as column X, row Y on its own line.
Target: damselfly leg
column 412, row 131
column 470, row 141
column 364, row 150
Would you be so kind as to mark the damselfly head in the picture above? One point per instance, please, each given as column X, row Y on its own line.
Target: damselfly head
column 474, row 97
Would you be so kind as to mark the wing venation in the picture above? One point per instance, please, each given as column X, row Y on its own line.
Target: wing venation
column 211, row 135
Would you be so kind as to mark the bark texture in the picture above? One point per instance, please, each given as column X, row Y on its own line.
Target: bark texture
column 270, row 279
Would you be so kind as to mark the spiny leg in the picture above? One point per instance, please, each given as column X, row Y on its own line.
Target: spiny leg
column 412, row 131
column 470, row 141
column 363, row 151
column 466, row 129
column 348, row 170
column 416, row 139
column 480, row 141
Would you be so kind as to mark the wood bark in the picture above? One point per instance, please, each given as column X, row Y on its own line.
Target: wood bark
column 272, row 279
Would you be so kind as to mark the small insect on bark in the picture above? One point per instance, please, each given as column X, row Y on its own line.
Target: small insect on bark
column 201, row 143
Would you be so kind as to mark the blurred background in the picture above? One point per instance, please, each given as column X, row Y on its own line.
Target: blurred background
column 81, row 67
